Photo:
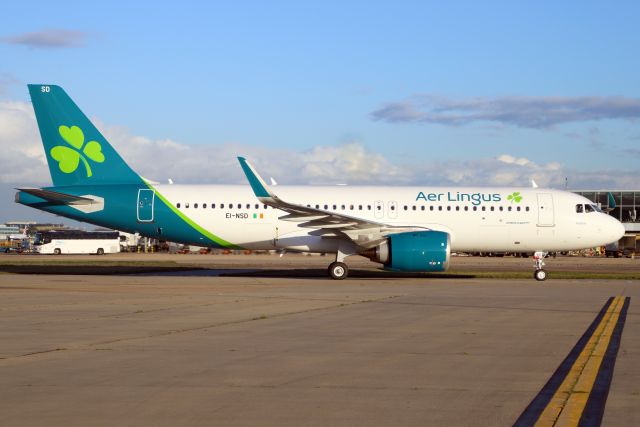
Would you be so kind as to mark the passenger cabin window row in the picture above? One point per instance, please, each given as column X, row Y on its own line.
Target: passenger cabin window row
column 457, row 208
column 220, row 205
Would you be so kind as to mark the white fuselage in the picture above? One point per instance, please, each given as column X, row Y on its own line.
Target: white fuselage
column 477, row 219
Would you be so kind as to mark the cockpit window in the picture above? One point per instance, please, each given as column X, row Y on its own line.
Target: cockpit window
column 587, row 208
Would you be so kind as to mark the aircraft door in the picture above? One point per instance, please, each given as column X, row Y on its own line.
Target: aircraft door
column 392, row 210
column 546, row 216
column 146, row 198
column 378, row 209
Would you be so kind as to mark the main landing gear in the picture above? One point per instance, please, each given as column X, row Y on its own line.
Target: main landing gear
column 338, row 270
column 540, row 274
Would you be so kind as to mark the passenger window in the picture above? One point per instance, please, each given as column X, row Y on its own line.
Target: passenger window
column 239, row 205
column 178, row 205
column 379, row 207
column 393, row 208
column 248, row 205
column 257, row 206
column 326, row 207
column 579, row 208
column 359, row 207
column 439, row 208
column 422, row 207
column 213, row 205
column 475, row 208
column 457, row 208
column 518, row 208
column 265, row 206
column 501, row 208
column 204, row 206
column 195, row 206
column 343, row 207
column 509, row 208
column 221, row 205
column 350, row 207
column 368, row 207
column 483, row 209
column 466, row 208
column 430, row 208
column 230, row 205
column 527, row 209
column 491, row 208
column 448, row 208
column 186, row 205
column 335, row 207
column 405, row 207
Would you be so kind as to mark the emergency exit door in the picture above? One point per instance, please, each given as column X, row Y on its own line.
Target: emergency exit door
column 146, row 198
column 545, row 210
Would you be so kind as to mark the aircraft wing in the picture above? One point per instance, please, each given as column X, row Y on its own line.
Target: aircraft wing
column 364, row 233
column 57, row 197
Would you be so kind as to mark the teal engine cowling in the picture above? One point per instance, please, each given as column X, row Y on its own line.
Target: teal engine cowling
column 418, row 251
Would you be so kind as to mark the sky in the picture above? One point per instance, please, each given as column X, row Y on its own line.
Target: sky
column 349, row 92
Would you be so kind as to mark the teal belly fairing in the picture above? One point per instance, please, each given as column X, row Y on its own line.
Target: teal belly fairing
column 121, row 213
column 420, row 251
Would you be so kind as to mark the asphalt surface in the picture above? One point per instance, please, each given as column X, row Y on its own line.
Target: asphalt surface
column 183, row 349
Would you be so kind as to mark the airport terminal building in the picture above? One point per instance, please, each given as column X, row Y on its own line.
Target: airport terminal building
column 624, row 206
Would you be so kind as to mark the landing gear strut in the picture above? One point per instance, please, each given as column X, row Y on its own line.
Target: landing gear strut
column 540, row 274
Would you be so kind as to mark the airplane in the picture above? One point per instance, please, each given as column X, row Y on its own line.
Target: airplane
column 406, row 229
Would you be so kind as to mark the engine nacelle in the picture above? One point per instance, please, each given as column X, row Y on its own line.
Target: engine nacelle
column 414, row 251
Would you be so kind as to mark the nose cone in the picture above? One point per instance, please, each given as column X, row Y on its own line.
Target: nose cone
column 613, row 230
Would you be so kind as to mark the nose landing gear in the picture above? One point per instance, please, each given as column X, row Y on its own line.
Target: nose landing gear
column 539, row 274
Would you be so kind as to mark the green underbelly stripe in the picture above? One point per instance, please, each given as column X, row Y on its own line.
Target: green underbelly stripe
column 192, row 223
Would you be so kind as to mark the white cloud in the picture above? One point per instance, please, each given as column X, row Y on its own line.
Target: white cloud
column 521, row 111
column 48, row 39
column 23, row 162
column 22, row 156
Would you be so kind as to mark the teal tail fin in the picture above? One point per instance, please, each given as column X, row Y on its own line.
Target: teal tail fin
column 77, row 153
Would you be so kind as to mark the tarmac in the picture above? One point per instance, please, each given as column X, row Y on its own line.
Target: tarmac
column 181, row 348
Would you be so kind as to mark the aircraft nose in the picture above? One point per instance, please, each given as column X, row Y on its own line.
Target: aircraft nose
column 614, row 229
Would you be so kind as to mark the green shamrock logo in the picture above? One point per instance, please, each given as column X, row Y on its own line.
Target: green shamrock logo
column 69, row 158
column 515, row 197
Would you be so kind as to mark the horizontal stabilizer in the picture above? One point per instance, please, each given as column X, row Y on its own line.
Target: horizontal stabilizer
column 55, row 196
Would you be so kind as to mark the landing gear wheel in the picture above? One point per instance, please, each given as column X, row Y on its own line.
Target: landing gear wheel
column 57, row 251
column 100, row 251
column 338, row 270
column 540, row 275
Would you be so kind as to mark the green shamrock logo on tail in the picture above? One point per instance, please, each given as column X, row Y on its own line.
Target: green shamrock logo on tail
column 69, row 158
column 514, row 197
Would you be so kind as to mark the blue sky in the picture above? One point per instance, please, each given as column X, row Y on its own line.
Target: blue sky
column 463, row 78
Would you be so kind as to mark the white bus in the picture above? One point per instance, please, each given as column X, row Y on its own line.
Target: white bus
column 76, row 242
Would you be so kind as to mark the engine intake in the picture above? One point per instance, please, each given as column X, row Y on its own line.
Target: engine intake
column 414, row 251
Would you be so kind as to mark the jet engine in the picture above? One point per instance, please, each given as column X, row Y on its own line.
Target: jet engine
column 413, row 251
